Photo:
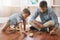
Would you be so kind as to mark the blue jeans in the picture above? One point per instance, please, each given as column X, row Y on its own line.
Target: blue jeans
column 46, row 29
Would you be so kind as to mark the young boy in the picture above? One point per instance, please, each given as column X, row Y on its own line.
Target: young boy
column 17, row 20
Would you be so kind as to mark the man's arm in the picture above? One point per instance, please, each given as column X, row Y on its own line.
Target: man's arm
column 37, row 24
column 55, row 19
column 32, row 20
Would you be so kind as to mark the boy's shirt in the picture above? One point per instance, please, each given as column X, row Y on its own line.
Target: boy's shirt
column 16, row 18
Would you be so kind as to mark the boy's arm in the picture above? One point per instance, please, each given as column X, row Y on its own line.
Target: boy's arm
column 24, row 24
column 20, row 26
column 6, row 25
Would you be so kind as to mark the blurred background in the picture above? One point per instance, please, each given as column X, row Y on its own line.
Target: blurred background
column 8, row 7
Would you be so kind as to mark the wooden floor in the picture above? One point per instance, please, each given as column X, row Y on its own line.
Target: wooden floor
column 18, row 36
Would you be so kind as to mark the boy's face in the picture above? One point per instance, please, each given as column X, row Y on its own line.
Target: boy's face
column 43, row 9
column 25, row 15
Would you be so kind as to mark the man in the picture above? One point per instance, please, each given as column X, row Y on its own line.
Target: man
column 49, row 22
column 17, row 20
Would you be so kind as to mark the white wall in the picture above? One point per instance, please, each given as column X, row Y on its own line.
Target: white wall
column 19, row 3
column 50, row 2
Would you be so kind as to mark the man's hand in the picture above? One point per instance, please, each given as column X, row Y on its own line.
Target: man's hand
column 52, row 32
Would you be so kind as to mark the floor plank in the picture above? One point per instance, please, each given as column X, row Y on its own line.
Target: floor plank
column 37, row 36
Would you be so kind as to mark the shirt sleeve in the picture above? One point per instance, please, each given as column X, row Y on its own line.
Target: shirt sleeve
column 54, row 18
column 34, row 15
column 19, row 20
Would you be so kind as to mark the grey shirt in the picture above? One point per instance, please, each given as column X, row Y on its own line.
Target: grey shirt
column 16, row 18
column 48, row 15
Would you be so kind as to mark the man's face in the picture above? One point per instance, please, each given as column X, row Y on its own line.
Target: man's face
column 43, row 9
column 25, row 15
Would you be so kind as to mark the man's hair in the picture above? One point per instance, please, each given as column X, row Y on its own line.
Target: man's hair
column 26, row 11
column 43, row 4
